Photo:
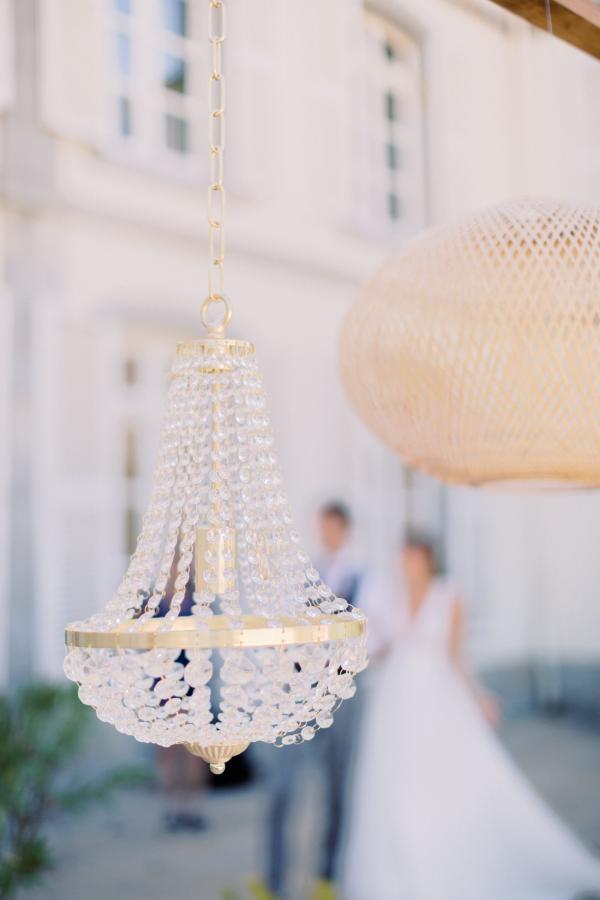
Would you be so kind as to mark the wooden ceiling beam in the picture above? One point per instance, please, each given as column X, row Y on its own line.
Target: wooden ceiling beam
column 575, row 21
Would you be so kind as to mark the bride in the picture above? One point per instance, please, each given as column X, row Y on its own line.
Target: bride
column 441, row 812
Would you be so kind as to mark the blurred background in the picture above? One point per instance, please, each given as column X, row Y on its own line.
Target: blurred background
column 351, row 126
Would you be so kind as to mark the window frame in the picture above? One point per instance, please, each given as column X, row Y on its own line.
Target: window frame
column 150, row 99
column 394, row 147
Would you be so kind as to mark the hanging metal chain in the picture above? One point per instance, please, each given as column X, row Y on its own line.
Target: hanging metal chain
column 216, row 190
column 549, row 17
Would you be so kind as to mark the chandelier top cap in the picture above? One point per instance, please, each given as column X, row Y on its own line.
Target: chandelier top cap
column 215, row 346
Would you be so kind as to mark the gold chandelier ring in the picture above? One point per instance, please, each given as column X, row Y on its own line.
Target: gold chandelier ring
column 218, row 632
column 216, row 328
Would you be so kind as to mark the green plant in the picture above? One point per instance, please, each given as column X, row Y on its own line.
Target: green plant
column 42, row 729
column 256, row 891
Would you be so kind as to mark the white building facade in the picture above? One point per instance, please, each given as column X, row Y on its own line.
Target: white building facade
column 351, row 126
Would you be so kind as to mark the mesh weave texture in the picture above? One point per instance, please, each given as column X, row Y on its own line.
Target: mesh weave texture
column 475, row 351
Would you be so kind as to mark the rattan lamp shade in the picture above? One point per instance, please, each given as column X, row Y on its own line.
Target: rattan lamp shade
column 475, row 351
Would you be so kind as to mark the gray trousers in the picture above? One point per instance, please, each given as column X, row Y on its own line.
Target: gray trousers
column 332, row 749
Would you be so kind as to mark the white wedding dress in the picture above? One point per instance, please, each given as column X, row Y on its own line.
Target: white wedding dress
column 441, row 812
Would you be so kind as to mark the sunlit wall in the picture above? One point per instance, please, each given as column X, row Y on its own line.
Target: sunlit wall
column 351, row 127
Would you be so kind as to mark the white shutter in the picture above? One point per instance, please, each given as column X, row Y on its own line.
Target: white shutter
column 7, row 56
column 5, row 470
column 82, row 493
column 75, row 528
column 73, row 67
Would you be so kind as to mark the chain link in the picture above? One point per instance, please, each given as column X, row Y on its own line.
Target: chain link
column 216, row 190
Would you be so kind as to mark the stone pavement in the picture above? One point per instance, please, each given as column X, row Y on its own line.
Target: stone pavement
column 120, row 852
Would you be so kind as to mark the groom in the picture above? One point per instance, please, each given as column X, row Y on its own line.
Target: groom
column 331, row 748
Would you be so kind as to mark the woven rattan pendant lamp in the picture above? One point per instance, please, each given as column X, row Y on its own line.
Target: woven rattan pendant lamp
column 475, row 351
column 221, row 632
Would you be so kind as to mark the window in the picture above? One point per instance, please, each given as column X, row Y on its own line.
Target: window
column 389, row 51
column 394, row 167
column 132, row 529
column 122, row 68
column 178, row 105
column 176, row 133
column 391, row 107
column 123, row 73
column 393, row 157
column 123, row 53
column 131, row 473
column 175, row 18
column 393, row 206
column 156, row 101
column 130, row 371
column 131, row 463
column 124, row 116
column 175, row 74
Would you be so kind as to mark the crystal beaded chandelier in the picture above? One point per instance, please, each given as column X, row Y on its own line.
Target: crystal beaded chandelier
column 221, row 632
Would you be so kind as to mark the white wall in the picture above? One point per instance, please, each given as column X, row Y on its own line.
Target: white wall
column 6, row 311
column 531, row 572
column 514, row 112
column 5, row 466
column 7, row 60
column 506, row 110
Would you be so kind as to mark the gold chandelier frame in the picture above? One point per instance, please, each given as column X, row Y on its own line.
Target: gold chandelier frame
column 217, row 632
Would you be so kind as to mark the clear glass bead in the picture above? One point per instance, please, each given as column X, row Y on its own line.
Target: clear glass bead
column 217, row 468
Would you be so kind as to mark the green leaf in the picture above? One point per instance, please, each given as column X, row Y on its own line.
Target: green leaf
column 228, row 894
column 42, row 730
column 259, row 891
column 325, row 890
column 25, row 866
